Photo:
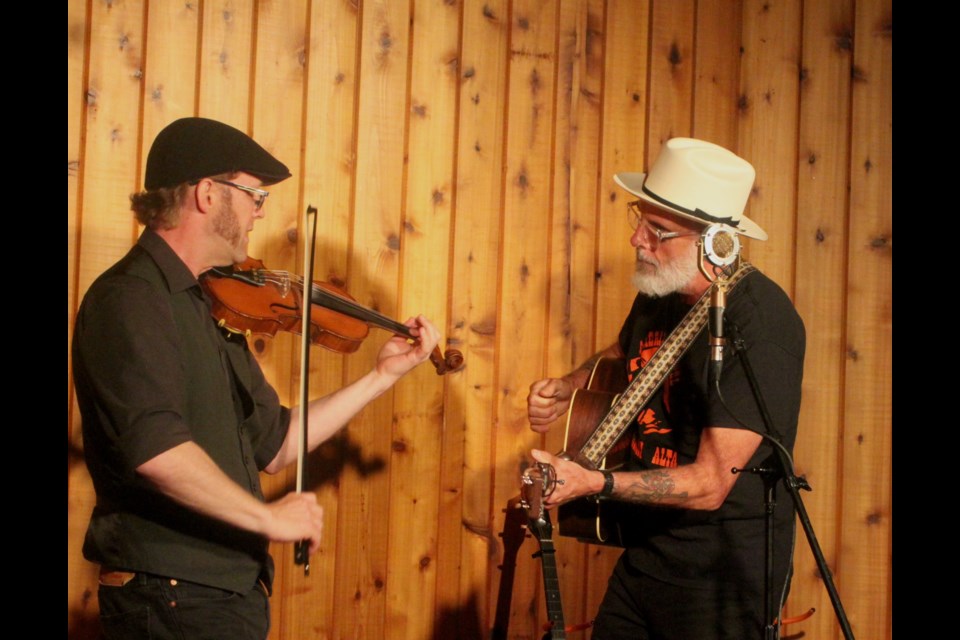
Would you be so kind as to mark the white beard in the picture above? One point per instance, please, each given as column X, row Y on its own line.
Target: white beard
column 658, row 279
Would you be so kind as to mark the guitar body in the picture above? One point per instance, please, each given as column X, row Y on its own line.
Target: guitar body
column 587, row 519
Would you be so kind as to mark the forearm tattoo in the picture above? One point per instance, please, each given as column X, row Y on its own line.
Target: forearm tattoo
column 653, row 486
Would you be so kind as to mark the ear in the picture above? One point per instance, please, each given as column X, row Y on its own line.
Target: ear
column 205, row 195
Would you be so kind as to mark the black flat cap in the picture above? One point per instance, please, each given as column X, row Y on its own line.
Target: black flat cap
column 189, row 149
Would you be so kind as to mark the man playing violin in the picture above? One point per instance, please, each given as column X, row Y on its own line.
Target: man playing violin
column 178, row 419
column 693, row 532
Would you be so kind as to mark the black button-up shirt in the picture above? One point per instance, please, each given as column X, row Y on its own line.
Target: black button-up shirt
column 153, row 371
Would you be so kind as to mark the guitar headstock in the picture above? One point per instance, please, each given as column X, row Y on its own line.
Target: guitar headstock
column 536, row 483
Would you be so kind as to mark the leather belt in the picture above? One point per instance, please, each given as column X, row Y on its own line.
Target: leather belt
column 113, row 578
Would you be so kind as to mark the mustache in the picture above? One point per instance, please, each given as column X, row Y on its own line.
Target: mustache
column 646, row 259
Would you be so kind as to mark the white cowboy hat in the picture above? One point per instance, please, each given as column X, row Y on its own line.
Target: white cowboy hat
column 700, row 181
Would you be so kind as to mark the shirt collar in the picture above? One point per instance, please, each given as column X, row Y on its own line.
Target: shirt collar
column 178, row 275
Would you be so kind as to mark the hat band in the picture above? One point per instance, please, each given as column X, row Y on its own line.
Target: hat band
column 699, row 213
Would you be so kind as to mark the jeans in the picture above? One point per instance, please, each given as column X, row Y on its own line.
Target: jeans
column 162, row 608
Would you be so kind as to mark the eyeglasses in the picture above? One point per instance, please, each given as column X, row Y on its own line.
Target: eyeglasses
column 654, row 236
column 259, row 195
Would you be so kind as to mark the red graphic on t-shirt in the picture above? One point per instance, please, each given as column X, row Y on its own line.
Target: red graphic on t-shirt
column 647, row 419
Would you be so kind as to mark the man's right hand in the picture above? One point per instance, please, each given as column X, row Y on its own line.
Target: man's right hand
column 296, row 517
column 548, row 400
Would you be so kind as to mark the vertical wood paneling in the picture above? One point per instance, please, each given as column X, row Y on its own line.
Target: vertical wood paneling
column 81, row 575
column 327, row 171
column 425, row 241
column 374, row 274
column 467, row 511
column 717, row 71
column 524, row 274
column 672, row 60
column 461, row 155
column 570, row 330
column 769, row 74
column 823, row 175
column 226, row 59
column 864, row 566
column 170, row 68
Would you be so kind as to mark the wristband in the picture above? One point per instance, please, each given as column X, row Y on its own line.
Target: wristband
column 607, row 490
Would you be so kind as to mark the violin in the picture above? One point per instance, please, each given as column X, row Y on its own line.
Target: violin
column 248, row 298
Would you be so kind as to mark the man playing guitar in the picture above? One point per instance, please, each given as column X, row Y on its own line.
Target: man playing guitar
column 693, row 531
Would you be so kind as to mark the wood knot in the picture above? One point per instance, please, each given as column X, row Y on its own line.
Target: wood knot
column 378, row 584
column 860, row 438
column 398, row 446
column 819, row 236
column 393, row 242
column 812, row 158
column 867, row 165
column 674, row 57
column 476, row 146
column 880, row 242
column 385, row 41
column 523, row 23
column 157, row 94
column 437, row 197
column 223, row 58
column 524, row 272
column 874, row 518
column 804, row 74
column 857, row 74
column 424, row 563
column 844, row 40
column 469, row 72
column 419, row 110
column 635, row 96
column 743, row 103
column 488, row 13
column 338, row 79
column 852, row 354
column 123, row 41
column 534, row 81
column 475, row 98
column 292, row 235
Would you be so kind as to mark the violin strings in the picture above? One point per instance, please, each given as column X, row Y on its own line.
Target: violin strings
column 281, row 277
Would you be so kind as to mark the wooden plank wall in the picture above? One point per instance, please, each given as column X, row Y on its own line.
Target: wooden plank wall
column 461, row 154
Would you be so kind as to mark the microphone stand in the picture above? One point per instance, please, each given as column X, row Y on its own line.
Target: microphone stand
column 783, row 469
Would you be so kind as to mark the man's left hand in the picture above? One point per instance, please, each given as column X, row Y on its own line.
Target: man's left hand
column 572, row 480
column 398, row 356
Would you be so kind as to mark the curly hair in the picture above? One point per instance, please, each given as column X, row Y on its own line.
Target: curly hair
column 159, row 209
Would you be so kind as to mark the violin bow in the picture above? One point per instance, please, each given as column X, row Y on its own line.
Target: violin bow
column 301, row 551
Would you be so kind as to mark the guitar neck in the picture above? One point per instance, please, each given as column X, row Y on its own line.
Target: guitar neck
column 551, row 589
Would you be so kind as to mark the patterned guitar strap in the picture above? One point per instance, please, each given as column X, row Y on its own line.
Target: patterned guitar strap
column 650, row 377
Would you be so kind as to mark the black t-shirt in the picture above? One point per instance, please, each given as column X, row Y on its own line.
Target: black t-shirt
column 725, row 546
column 153, row 371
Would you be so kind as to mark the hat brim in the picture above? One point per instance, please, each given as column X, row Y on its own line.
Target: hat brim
column 633, row 182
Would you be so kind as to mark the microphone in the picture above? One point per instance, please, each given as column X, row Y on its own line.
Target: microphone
column 718, row 303
column 721, row 244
